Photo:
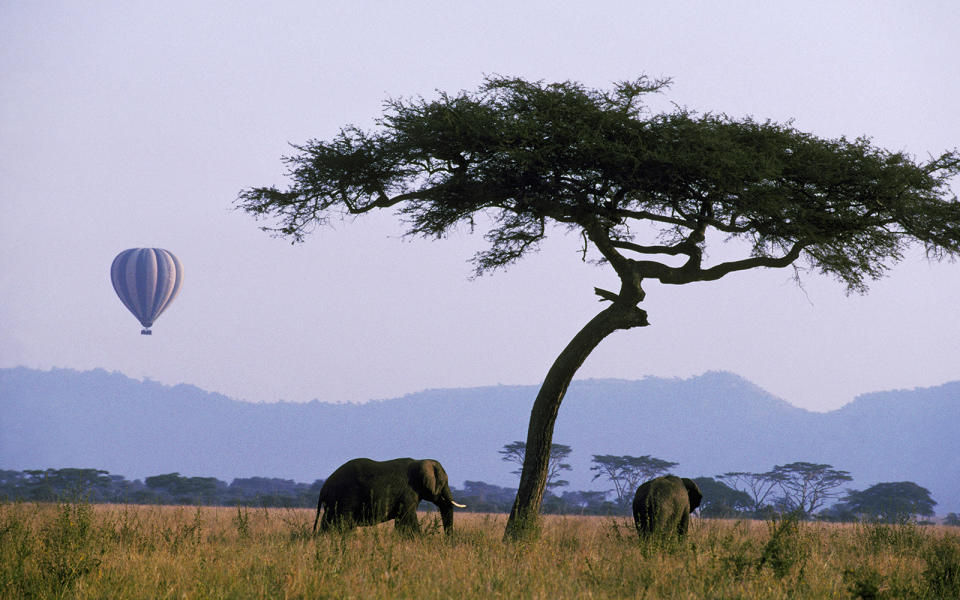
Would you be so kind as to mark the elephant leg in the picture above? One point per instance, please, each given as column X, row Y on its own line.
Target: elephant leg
column 328, row 521
column 406, row 522
column 335, row 520
column 684, row 524
column 644, row 522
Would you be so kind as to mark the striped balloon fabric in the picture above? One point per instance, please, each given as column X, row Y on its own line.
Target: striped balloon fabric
column 146, row 280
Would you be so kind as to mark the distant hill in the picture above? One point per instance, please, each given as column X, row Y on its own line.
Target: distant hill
column 710, row 424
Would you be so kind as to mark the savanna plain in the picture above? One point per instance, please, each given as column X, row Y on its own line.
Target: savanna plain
column 81, row 550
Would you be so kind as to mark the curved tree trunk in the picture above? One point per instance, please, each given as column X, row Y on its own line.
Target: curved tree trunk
column 524, row 516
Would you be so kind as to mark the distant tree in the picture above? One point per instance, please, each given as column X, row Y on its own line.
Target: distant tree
column 12, row 485
column 839, row 512
column 187, row 490
column 52, row 484
column 485, row 497
column 890, row 502
column 626, row 473
column 952, row 519
column 97, row 485
column 720, row 500
column 515, row 452
column 806, row 486
column 586, row 502
column 645, row 192
column 10, row 478
column 269, row 491
column 760, row 487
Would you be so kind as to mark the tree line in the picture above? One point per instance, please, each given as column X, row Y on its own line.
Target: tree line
column 97, row 485
column 801, row 488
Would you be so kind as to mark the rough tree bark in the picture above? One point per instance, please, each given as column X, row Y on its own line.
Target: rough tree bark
column 622, row 314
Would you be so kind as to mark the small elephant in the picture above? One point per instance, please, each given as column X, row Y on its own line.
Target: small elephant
column 663, row 505
column 367, row 492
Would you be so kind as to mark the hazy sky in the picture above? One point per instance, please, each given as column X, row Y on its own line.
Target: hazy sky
column 126, row 124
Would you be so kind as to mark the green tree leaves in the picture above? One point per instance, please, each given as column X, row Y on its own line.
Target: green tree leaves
column 515, row 452
column 626, row 473
column 890, row 502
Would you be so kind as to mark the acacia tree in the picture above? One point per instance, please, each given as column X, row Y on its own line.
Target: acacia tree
column 758, row 486
column 806, row 486
column 644, row 192
column 890, row 501
column 720, row 500
column 628, row 472
column 515, row 451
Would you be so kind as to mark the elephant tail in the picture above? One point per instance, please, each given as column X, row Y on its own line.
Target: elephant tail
column 320, row 504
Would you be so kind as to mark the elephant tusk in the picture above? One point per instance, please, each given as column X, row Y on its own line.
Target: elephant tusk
column 458, row 505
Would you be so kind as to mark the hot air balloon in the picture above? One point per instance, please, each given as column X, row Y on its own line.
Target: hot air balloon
column 146, row 280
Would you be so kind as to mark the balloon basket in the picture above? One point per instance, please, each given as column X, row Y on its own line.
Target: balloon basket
column 146, row 332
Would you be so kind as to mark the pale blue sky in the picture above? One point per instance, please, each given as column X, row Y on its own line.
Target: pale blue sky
column 127, row 124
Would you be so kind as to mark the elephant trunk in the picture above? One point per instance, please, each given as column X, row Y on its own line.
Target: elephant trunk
column 446, row 503
column 446, row 516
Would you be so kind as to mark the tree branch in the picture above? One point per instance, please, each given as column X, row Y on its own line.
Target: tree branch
column 652, row 216
column 681, row 275
column 606, row 295
column 382, row 201
column 682, row 248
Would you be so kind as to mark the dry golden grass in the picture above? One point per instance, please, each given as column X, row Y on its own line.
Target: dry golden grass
column 106, row 551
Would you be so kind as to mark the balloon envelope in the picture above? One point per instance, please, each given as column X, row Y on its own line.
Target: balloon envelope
column 146, row 280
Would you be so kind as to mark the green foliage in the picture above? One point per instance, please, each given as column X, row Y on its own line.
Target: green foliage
column 172, row 488
column 516, row 451
column 184, row 489
column 70, row 549
column 942, row 573
column 890, row 502
column 759, row 487
column 16, row 548
column 242, row 521
column 529, row 153
column 785, row 551
column 806, row 486
column 864, row 583
column 881, row 537
column 720, row 500
column 626, row 473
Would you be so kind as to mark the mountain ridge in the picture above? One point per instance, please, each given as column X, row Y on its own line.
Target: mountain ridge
column 710, row 424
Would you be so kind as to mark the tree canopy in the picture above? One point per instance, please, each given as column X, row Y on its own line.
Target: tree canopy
column 890, row 501
column 516, row 451
column 628, row 472
column 528, row 154
column 806, row 486
column 720, row 500
column 757, row 486
column 644, row 192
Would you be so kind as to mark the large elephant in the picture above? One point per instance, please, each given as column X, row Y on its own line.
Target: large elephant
column 662, row 505
column 366, row 492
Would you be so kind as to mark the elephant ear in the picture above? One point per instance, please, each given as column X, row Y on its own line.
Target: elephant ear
column 427, row 478
column 693, row 490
